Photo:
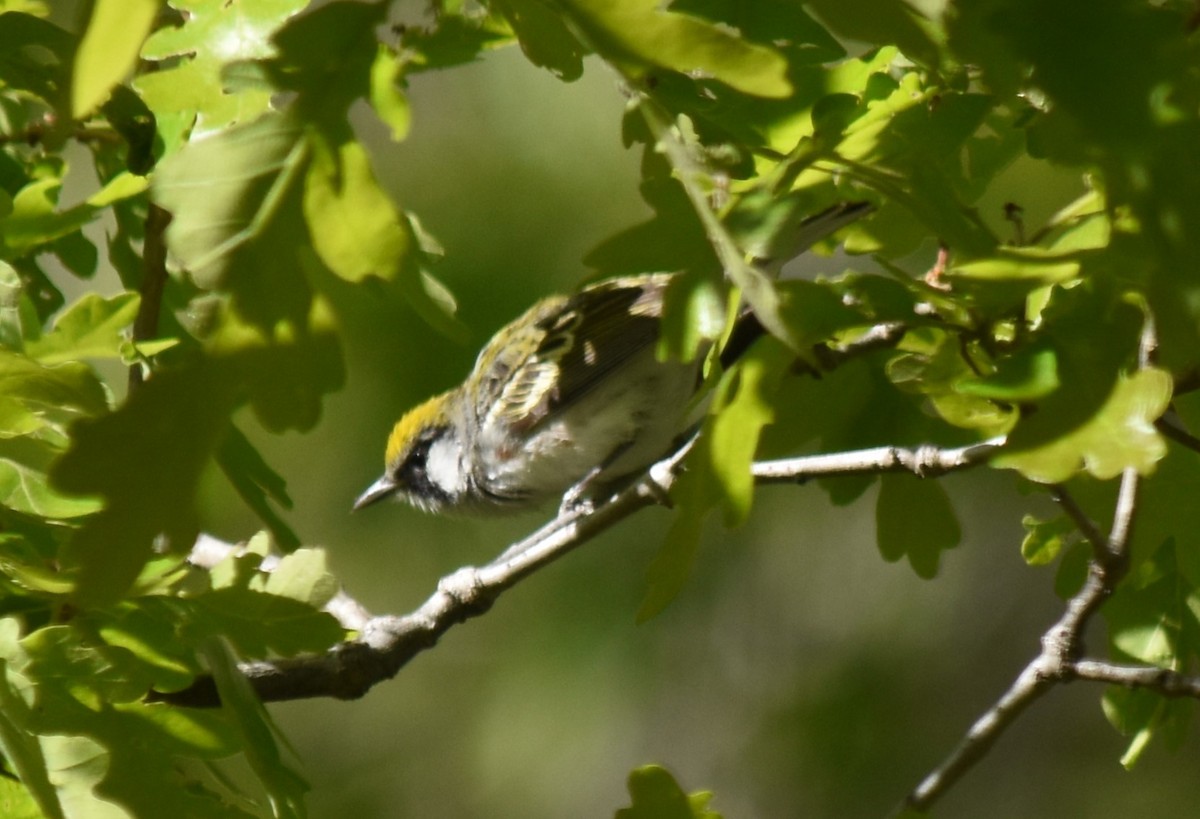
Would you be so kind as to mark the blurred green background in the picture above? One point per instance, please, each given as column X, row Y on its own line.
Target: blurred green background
column 797, row 675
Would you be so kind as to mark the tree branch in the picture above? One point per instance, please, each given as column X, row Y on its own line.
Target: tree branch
column 1177, row 434
column 924, row 462
column 388, row 642
column 1062, row 645
column 1162, row 681
column 154, row 281
column 1060, row 659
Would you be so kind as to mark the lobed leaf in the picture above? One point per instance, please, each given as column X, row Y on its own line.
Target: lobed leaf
column 914, row 519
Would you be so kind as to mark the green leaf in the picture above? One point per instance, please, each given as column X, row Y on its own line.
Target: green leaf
column 23, row 754
column 35, row 220
column 883, row 22
column 455, row 40
column 1150, row 621
column 215, row 215
column 286, row 367
column 302, row 576
column 149, row 628
column 16, row 802
column 90, row 328
column 37, row 8
column 18, row 318
column 914, row 519
column 388, row 101
column 694, row 314
column 544, row 37
column 1141, row 715
column 1028, row 374
column 815, row 311
column 743, row 406
column 1099, row 420
column 656, row 795
column 356, row 229
column 36, row 57
column 638, row 35
column 25, row 487
column 717, row 470
column 673, row 239
column 130, row 753
column 259, row 623
column 1118, row 436
column 67, row 387
column 257, row 484
column 188, row 87
column 284, row 786
column 786, row 26
column 938, row 363
column 29, row 569
column 327, row 55
column 145, row 459
column 77, row 254
column 1045, row 539
column 1023, row 265
column 108, row 50
column 672, row 565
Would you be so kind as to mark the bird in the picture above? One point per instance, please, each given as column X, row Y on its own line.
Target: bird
column 567, row 401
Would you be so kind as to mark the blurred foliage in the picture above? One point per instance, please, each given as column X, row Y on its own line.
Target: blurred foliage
column 1070, row 333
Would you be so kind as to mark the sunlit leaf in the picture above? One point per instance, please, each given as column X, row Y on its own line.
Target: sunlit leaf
column 1045, row 539
column 639, row 35
column 388, row 101
column 90, row 328
column 214, row 35
column 1120, row 435
column 108, row 50
column 656, row 795
column 356, row 229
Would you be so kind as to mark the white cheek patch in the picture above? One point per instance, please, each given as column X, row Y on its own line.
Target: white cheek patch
column 442, row 467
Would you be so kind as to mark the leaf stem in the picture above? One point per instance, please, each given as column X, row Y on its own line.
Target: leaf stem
column 154, row 281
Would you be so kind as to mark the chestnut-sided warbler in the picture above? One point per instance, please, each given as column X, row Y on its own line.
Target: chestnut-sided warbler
column 570, row 396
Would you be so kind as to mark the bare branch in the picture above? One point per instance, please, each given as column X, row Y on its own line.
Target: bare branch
column 1028, row 686
column 1162, row 681
column 1062, row 644
column 388, row 642
column 924, row 462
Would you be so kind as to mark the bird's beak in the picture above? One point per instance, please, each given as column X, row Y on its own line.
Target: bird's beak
column 375, row 492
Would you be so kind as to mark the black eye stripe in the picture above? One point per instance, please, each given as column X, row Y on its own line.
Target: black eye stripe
column 413, row 474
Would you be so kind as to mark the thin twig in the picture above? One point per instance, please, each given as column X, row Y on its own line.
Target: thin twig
column 1177, row 434
column 1083, row 523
